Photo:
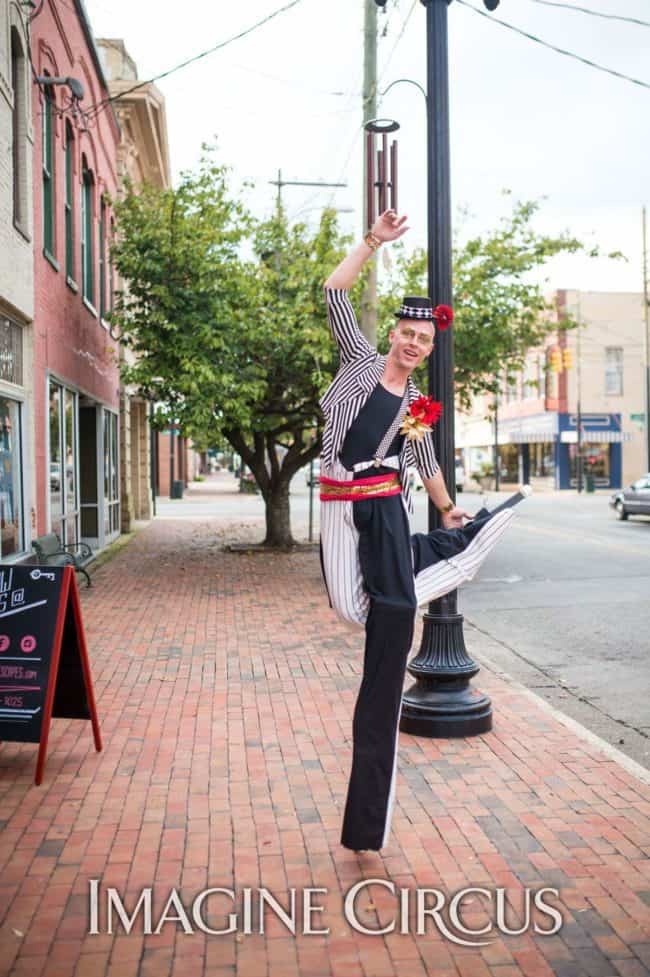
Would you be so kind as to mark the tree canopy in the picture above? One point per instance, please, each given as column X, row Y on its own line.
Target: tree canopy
column 235, row 346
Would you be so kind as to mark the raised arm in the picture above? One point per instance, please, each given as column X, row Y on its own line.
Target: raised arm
column 387, row 227
column 343, row 321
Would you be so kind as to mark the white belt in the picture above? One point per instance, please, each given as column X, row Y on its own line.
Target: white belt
column 391, row 462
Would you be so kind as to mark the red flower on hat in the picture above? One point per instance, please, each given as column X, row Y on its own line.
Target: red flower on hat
column 444, row 316
column 422, row 413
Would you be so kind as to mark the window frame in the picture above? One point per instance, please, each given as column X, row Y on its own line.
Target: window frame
column 69, row 203
column 614, row 370
column 87, row 235
column 102, row 258
column 19, row 133
column 48, row 175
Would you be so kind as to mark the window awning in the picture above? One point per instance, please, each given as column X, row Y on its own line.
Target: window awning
column 595, row 437
column 526, row 437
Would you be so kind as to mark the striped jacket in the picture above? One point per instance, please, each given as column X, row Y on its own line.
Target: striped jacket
column 360, row 371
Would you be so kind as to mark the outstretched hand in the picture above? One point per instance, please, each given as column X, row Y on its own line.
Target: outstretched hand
column 389, row 227
column 454, row 519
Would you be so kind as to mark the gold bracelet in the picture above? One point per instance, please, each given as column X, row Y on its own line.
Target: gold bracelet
column 446, row 508
column 372, row 240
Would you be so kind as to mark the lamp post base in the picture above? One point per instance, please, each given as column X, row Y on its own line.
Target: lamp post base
column 441, row 703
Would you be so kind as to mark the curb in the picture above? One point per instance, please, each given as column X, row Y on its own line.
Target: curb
column 628, row 764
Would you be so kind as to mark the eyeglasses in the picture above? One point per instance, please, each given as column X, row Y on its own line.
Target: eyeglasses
column 423, row 338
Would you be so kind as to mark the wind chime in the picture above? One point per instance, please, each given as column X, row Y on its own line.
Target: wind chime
column 381, row 168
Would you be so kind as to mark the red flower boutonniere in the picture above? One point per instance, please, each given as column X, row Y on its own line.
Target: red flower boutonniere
column 422, row 414
column 444, row 316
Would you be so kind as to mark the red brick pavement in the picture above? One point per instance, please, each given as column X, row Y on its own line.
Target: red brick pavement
column 225, row 690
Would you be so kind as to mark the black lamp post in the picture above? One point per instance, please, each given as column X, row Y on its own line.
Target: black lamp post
column 441, row 703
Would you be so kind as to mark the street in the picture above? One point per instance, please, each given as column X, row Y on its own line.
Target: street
column 564, row 599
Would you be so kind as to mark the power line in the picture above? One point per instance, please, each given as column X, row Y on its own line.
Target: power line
column 397, row 40
column 197, row 57
column 592, row 13
column 552, row 47
column 291, row 83
column 359, row 130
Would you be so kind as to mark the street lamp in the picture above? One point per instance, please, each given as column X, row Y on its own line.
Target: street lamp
column 441, row 703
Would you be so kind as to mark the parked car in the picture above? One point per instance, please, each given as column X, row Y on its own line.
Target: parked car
column 632, row 501
column 316, row 472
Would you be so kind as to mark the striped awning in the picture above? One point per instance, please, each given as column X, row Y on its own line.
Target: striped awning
column 527, row 437
column 595, row 437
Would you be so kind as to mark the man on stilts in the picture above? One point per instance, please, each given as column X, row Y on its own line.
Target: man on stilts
column 376, row 572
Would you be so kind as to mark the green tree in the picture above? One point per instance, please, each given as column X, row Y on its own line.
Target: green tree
column 500, row 312
column 236, row 347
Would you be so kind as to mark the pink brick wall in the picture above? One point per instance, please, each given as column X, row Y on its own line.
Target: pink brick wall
column 69, row 340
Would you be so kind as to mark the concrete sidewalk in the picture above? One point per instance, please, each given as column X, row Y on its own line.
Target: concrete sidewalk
column 225, row 692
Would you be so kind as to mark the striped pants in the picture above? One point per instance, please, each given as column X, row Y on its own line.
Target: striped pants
column 376, row 574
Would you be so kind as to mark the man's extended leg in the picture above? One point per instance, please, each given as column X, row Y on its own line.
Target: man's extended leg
column 445, row 558
column 371, row 791
column 386, row 563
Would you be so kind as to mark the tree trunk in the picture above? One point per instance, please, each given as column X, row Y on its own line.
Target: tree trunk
column 278, row 518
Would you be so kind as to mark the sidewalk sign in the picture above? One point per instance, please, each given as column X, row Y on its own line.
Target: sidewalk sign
column 44, row 665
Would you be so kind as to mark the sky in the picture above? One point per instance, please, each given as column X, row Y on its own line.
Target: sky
column 523, row 118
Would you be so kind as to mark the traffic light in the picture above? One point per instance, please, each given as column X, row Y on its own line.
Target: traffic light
column 556, row 360
column 567, row 358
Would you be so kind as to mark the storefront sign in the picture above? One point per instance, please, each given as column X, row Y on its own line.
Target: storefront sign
column 44, row 666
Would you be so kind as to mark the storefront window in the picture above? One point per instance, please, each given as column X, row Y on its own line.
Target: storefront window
column 111, row 474
column 596, row 462
column 11, row 487
column 509, row 462
column 56, row 502
column 64, row 495
column 542, row 460
column 71, row 506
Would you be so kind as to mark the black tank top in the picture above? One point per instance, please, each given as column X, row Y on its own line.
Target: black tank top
column 370, row 426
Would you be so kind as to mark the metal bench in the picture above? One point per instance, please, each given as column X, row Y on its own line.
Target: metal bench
column 50, row 550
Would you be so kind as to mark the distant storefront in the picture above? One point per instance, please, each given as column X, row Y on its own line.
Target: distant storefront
column 544, row 448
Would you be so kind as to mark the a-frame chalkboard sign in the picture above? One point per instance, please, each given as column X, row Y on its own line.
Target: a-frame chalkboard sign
column 44, row 666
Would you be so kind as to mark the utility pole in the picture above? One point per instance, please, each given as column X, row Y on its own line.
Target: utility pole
column 646, row 313
column 279, row 183
column 497, row 460
column 579, row 399
column 369, row 298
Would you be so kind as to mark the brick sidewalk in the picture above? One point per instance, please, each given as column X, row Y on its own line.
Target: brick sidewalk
column 225, row 692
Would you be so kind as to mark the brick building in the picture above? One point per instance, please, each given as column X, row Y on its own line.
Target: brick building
column 143, row 156
column 76, row 375
column 599, row 365
column 16, row 285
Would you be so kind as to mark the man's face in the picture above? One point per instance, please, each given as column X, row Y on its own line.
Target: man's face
column 411, row 341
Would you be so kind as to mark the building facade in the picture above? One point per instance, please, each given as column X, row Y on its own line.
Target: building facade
column 577, row 408
column 143, row 156
column 76, row 373
column 16, row 285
